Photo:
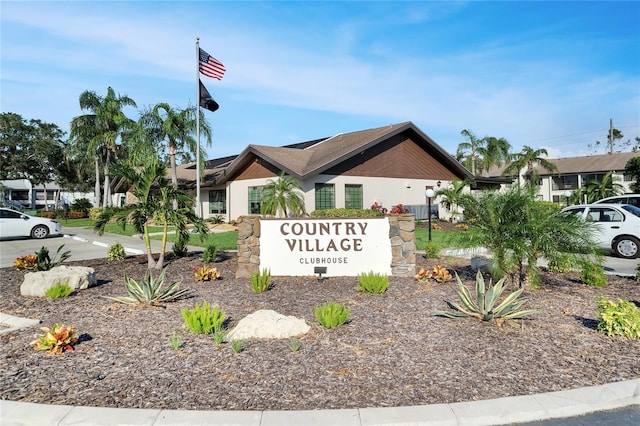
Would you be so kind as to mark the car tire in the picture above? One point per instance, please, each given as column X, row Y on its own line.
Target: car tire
column 39, row 232
column 627, row 247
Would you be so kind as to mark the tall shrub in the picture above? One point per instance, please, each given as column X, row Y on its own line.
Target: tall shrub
column 520, row 230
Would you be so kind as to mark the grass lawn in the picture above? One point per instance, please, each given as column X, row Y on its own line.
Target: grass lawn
column 112, row 228
column 444, row 239
column 228, row 240
column 222, row 240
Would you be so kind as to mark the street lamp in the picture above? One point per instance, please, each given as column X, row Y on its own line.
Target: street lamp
column 429, row 193
column 567, row 194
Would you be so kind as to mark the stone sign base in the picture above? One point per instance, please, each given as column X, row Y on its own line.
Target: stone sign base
column 401, row 237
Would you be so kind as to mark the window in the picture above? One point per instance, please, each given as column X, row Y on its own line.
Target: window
column 255, row 192
column 564, row 182
column 592, row 176
column 353, row 196
column 602, row 214
column 627, row 177
column 218, row 201
column 325, row 198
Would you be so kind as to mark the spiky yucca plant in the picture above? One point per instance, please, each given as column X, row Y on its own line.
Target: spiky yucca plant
column 485, row 306
column 372, row 282
column 149, row 291
column 331, row 315
column 260, row 281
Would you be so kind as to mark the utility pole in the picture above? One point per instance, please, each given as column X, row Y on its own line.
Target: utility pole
column 610, row 136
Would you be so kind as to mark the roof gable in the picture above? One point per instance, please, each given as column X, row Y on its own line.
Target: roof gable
column 319, row 156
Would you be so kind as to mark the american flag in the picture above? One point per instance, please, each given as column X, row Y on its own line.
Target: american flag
column 210, row 66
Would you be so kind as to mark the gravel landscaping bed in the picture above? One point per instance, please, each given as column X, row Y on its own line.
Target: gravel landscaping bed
column 394, row 351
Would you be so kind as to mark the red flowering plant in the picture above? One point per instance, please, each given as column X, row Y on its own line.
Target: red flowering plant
column 399, row 209
column 378, row 207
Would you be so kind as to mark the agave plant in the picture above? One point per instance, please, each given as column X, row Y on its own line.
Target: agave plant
column 485, row 306
column 149, row 291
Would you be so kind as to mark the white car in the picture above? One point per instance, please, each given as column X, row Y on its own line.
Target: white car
column 618, row 226
column 16, row 224
column 633, row 199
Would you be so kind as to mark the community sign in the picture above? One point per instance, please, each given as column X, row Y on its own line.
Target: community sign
column 346, row 247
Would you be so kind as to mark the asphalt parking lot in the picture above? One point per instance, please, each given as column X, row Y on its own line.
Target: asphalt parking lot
column 82, row 243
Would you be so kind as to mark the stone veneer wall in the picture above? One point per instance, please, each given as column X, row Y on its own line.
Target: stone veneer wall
column 401, row 235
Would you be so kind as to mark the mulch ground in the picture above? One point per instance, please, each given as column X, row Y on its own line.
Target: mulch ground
column 394, row 351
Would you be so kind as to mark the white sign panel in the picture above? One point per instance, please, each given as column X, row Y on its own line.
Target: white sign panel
column 346, row 247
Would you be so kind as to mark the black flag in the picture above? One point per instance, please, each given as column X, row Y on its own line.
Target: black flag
column 206, row 101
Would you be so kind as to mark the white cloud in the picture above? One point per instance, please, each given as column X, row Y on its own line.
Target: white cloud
column 493, row 88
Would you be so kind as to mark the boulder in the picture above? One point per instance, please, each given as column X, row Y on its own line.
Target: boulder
column 77, row 277
column 267, row 324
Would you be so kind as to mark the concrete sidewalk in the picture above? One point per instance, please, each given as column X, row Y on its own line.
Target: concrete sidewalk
column 501, row 411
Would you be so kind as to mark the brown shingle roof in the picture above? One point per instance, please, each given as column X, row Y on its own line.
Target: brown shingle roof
column 322, row 154
column 584, row 164
column 591, row 163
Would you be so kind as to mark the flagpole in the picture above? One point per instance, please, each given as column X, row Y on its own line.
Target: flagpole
column 198, row 206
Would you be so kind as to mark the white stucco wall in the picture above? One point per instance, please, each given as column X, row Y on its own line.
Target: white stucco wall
column 386, row 191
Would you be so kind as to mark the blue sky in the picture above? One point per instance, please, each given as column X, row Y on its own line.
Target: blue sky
column 543, row 74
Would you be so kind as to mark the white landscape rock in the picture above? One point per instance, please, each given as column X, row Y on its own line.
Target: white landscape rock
column 267, row 324
column 77, row 277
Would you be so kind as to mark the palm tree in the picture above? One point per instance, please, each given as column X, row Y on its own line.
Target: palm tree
column 177, row 127
column 528, row 159
column 155, row 197
column 282, row 197
column 598, row 189
column 101, row 129
column 451, row 196
column 470, row 159
column 495, row 152
column 520, row 230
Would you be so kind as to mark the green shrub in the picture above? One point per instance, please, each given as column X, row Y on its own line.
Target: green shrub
column 346, row 213
column 638, row 274
column 204, row 319
column 260, row 280
column 593, row 274
column 94, row 213
column 373, row 283
column 149, row 291
column 180, row 248
column 116, row 252
column 331, row 315
column 219, row 335
column 294, row 344
column 432, row 250
column 210, row 254
column 484, row 305
column 237, row 345
column 216, row 220
column 82, row 205
column 618, row 319
column 58, row 291
column 175, row 342
column 560, row 263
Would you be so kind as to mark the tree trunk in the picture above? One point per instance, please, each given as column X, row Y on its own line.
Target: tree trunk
column 106, row 192
column 174, row 173
column 163, row 247
column 96, row 188
column 46, row 202
column 151, row 263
